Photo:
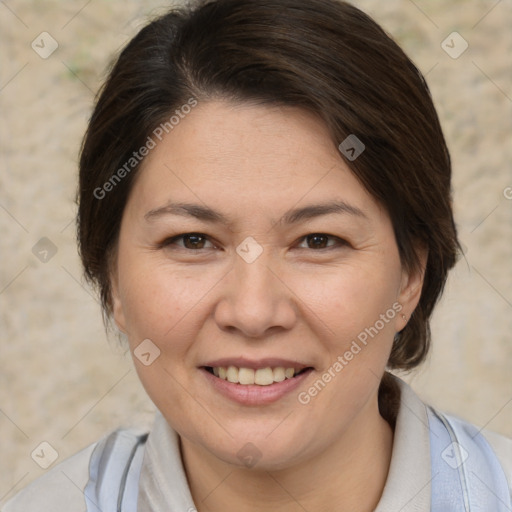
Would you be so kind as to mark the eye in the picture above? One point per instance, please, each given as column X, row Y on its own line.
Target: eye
column 191, row 241
column 320, row 241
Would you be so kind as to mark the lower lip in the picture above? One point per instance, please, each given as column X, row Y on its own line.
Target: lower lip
column 253, row 394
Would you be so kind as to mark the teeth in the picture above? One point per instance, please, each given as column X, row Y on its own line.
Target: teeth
column 246, row 376
column 261, row 376
column 232, row 374
column 264, row 376
column 279, row 374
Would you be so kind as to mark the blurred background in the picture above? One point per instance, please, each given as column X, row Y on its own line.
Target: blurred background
column 62, row 381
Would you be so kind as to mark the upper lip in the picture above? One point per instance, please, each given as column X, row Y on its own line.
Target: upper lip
column 255, row 364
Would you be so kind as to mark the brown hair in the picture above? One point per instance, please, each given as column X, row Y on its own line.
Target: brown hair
column 325, row 56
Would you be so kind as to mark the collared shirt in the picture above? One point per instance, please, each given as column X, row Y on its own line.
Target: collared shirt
column 163, row 481
column 163, row 486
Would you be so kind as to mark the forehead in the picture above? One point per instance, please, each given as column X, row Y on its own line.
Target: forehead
column 259, row 156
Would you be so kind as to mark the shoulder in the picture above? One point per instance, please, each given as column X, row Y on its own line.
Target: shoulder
column 483, row 453
column 502, row 447
column 60, row 489
column 489, row 450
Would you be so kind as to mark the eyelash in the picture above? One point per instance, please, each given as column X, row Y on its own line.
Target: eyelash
column 172, row 241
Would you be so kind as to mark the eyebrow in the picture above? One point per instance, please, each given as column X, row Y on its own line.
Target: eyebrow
column 197, row 211
column 316, row 210
column 206, row 214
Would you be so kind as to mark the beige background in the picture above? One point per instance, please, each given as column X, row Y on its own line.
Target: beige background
column 62, row 382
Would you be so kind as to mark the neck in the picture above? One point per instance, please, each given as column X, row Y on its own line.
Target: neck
column 350, row 474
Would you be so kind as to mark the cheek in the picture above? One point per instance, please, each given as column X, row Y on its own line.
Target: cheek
column 358, row 309
column 350, row 300
column 168, row 305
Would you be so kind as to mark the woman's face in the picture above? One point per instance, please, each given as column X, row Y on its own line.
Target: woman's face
column 247, row 243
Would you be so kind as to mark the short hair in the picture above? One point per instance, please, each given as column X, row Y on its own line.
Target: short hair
column 324, row 56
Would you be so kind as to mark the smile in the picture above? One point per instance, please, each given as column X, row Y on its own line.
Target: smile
column 250, row 386
column 260, row 377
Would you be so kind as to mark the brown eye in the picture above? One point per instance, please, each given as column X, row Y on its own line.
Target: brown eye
column 320, row 241
column 317, row 241
column 192, row 241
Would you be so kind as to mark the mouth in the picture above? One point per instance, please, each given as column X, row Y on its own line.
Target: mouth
column 263, row 384
column 266, row 376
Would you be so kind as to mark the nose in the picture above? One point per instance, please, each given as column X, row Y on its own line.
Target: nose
column 255, row 300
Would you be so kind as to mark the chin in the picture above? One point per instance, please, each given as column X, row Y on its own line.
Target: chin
column 261, row 452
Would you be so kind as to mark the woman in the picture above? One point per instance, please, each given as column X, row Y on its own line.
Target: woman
column 265, row 207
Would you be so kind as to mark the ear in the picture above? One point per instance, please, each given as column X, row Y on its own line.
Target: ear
column 410, row 289
column 117, row 304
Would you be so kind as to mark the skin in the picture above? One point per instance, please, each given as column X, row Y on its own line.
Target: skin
column 198, row 301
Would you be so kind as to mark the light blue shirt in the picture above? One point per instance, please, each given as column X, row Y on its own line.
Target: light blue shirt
column 438, row 464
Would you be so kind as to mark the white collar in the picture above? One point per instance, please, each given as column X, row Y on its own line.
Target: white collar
column 408, row 487
column 163, row 485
